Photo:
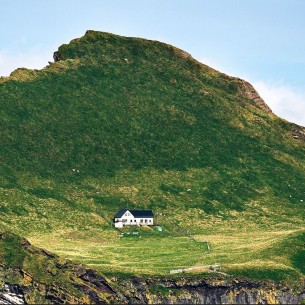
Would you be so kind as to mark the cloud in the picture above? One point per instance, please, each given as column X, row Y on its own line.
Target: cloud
column 35, row 58
column 284, row 100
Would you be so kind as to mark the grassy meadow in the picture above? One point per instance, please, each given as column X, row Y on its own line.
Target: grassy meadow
column 259, row 242
column 238, row 254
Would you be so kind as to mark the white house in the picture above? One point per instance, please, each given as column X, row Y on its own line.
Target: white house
column 127, row 217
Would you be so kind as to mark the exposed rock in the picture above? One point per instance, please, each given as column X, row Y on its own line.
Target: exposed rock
column 56, row 56
column 59, row 295
column 62, row 281
column 11, row 294
column 248, row 90
column 98, row 281
column 94, row 288
column 207, row 291
column 49, row 254
column 258, row 120
column 298, row 132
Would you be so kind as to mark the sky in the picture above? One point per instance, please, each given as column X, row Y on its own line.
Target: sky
column 262, row 41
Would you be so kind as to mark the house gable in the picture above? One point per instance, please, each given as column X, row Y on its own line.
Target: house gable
column 120, row 213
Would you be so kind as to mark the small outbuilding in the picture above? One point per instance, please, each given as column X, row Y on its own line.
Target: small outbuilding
column 126, row 217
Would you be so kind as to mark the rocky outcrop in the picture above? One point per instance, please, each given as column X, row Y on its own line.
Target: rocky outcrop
column 92, row 288
column 207, row 291
column 11, row 294
column 298, row 132
column 248, row 91
column 83, row 286
column 56, row 56
column 163, row 291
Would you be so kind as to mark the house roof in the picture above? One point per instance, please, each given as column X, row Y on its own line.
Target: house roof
column 135, row 213
column 120, row 213
column 142, row 213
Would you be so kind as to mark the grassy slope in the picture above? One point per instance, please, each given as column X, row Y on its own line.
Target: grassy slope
column 46, row 278
column 129, row 120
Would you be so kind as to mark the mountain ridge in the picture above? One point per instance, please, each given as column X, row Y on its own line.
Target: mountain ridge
column 247, row 88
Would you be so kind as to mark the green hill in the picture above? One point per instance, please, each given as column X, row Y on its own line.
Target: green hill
column 122, row 121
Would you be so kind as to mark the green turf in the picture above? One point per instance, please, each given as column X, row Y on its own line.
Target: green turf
column 130, row 122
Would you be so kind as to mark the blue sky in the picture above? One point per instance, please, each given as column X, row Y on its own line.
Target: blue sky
column 262, row 41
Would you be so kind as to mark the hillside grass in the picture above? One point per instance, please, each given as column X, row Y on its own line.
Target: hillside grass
column 129, row 122
column 250, row 254
column 75, row 222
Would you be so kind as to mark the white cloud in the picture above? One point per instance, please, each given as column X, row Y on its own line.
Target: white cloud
column 284, row 100
column 35, row 58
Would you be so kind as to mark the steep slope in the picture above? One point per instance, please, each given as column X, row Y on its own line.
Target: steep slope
column 115, row 102
column 117, row 121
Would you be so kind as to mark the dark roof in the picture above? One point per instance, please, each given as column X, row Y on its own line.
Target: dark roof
column 135, row 213
column 142, row 213
column 120, row 213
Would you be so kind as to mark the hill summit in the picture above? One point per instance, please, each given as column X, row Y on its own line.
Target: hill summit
column 111, row 102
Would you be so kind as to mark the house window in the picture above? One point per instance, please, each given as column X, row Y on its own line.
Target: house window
column 149, row 220
column 145, row 220
column 141, row 220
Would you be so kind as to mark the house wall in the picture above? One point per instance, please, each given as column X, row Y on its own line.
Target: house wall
column 126, row 219
column 118, row 224
column 145, row 221
column 129, row 220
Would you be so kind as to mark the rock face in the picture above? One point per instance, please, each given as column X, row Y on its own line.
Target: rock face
column 85, row 286
column 11, row 294
column 163, row 291
column 207, row 291
column 298, row 132
column 251, row 93
column 56, row 56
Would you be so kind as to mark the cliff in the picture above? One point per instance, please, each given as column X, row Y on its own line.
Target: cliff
column 161, row 290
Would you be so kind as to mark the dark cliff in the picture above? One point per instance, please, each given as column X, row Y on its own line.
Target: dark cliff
column 205, row 290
